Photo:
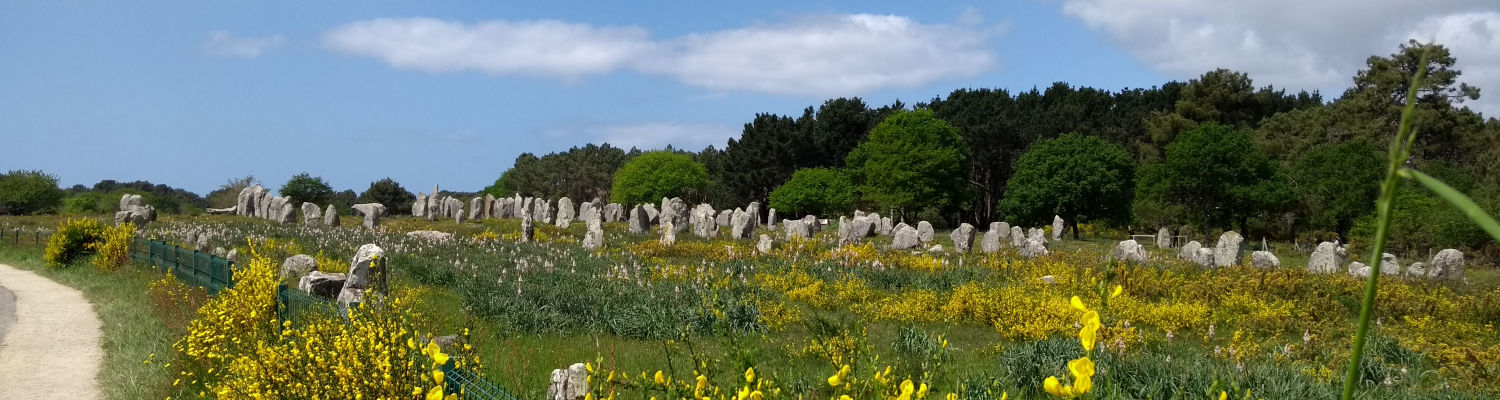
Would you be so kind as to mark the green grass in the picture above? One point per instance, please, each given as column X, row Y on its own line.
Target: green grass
column 131, row 331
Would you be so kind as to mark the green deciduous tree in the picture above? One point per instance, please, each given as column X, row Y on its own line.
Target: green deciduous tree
column 817, row 191
column 1220, row 178
column 658, row 174
column 227, row 195
column 397, row 199
column 911, row 161
column 1080, row 178
column 29, row 192
column 1337, row 184
column 304, row 187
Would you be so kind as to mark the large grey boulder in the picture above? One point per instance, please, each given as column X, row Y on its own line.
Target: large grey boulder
column 1227, row 251
column 1325, row 259
column 1204, row 257
column 741, row 225
column 488, row 206
column 614, row 212
column 904, row 237
column 220, row 211
column 1416, row 270
column 1359, row 270
column 992, row 241
column 1447, row 264
column 1389, row 265
column 653, row 215
column 1033, row 248
column 322, row 284
column 358, row 278
column 1189, row 251
column 1017, row 238
column 298, row 265
column 764, row 245
column 287, row 213
column 568, row 384
column 813, row 224
column 564, row 212
column 771, row 219
column 434, row 236
column 371, row 213
column 593, row 239
column 1058, row 227
column 1128, row 251
column 701, row 217
column 924, row 231
column 243, row 203
column 886, row 225
column 639, row 220
column 419, row 207
column 963, row 238
column 476, row 208
column 1264, row 260
column 455, row 208
column 795, row 228
column 754, row 210
column 722, row 220
column 331, row 216
column 674, row 210
column 1163, row 238
column 311, row 214
column 668, row 233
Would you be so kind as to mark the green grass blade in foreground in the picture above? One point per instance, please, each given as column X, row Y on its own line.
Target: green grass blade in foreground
column 1458, row 200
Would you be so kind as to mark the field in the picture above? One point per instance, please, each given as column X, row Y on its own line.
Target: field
column 973, row 325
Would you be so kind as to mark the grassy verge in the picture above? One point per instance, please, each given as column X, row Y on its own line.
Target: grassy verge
column 132, row 332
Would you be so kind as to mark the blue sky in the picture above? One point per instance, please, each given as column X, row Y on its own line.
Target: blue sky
column 191, row 94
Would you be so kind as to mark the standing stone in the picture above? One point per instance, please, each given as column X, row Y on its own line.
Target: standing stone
column 1163, row 238
column 652, row 214
column 1264, row 259
column 264, row 203
column 795, row 228
column 1058, row 227
column 1359, row 270
column 741, row 225
column 528, row 224
column 701, row 217
column 1204, row 257
column 1036, row 233
column 1325, row 259
column 675, row 211
column 845, row 232
column 564, row 212
column 668, row 233
column 455, row 209
column 813, row 225
column 372, row 213
column 311, row 214
column 904, row 237
column 242, row 202
column 1227, row 251
column 963, row 238
column 771, row 218
column 1447, row 265
column 1017, row 238
column 1388, row 264
column 1034, row 247
column 991, row 243
column 764, row 245
column 430, row 207
column 419, row 207
column 639, row 221
column 754, row 210
column 885, row 226
column 614, row 212
column 924, row 231
column 723, row 218
column 476, row 208
column 1189, row 251
column 1416, row 270
column 359, row 273
column 331, row 216
column 593, row 239
column 298, row 265
column 288, row 213
column 569, row 384
column 1129, row 251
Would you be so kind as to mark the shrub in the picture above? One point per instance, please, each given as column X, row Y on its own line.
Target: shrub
column 29, row 192
column 655, row 175
column 74, row 236
column 113, row 249
column 305, row 187
column 397, row 199
column 817, row 191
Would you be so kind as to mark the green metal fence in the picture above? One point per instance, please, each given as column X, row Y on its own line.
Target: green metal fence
column 469, row 386
column 203, row 269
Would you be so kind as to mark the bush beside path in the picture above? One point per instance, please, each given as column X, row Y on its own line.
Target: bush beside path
column 52, row 348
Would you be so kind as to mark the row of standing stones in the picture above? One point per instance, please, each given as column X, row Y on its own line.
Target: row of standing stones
column 1326, row 258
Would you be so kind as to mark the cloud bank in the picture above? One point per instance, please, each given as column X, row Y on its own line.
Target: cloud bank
column 221, row 43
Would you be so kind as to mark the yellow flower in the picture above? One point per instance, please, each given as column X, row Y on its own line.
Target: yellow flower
column 953, row 396
column 922, row 391
column 435, row 394
column 838, row 378
column 1118, row 291
column 845, row 397
column 1223, row 395
column 660, row 379
column 1078, row 304
column 1088, row 335
column 1056, row 389
column 750, row 375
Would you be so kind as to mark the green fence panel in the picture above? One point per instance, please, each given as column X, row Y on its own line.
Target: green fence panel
column 470, row 386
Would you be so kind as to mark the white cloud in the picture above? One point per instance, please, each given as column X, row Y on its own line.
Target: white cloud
column 1290, row 43
column 692, row 136
column 532, row 48
column 1473, row 39
column 222, row 44
column 833, row 55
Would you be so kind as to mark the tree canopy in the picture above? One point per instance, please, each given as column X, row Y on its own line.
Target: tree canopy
column 1218, row 175
column 29, row 192
column 816, row 191
column 304, row 187
column 658, row 174
column 1080, row 178
column 396, row 199
column 912, row 161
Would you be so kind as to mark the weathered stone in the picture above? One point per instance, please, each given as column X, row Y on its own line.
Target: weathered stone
column 528, row 224
column 1128, row 251
column 1058, row 227
column 221, row 211
column 287, row 213
column 1447, row 264
column 568, row 384
column 668, row 233
column 322, row 284
column 331, row 216
column 1163, row 238
column 639, row 220
column 1048, row 279
column 741, row 225
column 564, row 212
column 795, row 228
column 764, row 245
column 813, row 225
column 1325, row 259
column 1389, row 265
column 358, row 278
column 311, row 214
column 131, row 200
column 936, row 249
column 924, row 231
column 137, row 218
column 1264, row 259
column 1189, row 251
column 652, row 214
column 992, row 238
column 434, row 236
column 419, row 207
column 455, row 209
column 1227, row 251
column 371, row 213
column 488, row 206
column 678, row 214
column 963, row 238
column 1416, row 270
column 1359, row 270
column 1036, row 233
column 263, row 205
column 845, row 232
column 1017, row 238
column 243, row 203
column 904, row 237
column 476, row 208
column 885, row 226
column 1033, row 248
column 702, row 219
column 298, row 265
column 233, row 255
column 614, row 212
column 723, row 218
column 771, row 218
column 1204, row 257
column 593, row 239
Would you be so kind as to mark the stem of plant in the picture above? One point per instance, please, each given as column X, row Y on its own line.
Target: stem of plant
column 1399, row 151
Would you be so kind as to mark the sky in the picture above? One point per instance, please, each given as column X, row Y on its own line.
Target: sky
column 193, row 94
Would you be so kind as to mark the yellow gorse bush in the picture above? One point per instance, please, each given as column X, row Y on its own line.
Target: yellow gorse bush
column 113, row 250
column 72, row 238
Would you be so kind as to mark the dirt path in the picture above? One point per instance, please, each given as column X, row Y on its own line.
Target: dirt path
column 51, row 349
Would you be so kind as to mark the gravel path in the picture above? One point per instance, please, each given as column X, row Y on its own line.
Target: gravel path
column 50, row 348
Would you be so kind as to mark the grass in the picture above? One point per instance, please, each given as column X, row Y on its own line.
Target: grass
column 131, row 331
